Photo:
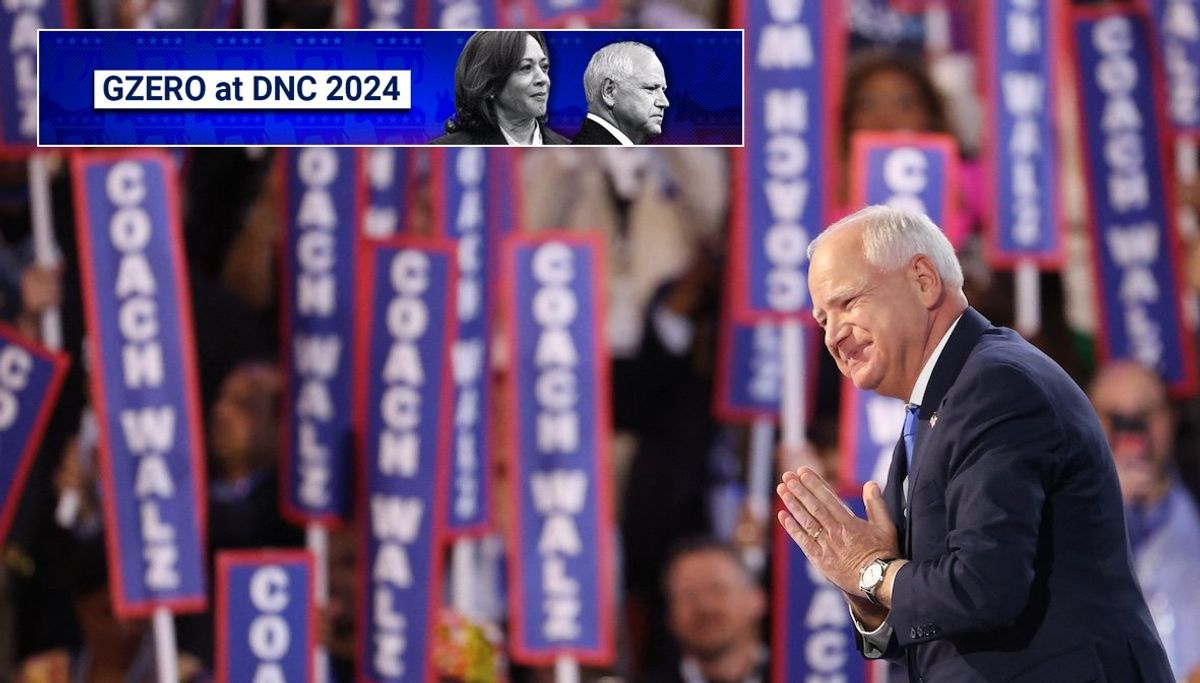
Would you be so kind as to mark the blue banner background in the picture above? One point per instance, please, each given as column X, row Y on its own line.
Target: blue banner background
column 750, row 384
column 466, row 213
column 587, row 566
column 1138, row 286
column 332, row 436
column 790, row 145
column 19, row 55
column 933, row 195
column 1181, row 56
column 242, row 664
column 419, row 601
column 181, row 509
column 703, row 77
column 27, row 402
column 1036, row 60
column 385, row 172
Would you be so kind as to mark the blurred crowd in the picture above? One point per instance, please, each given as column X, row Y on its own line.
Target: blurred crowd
column 691, row 608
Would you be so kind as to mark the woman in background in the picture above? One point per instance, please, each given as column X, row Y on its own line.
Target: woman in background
column 501, row 86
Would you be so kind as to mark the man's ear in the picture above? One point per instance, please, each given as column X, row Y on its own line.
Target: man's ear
column 608, row 92
column 926, row 280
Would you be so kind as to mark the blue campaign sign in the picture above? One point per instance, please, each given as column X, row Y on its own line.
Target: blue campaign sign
column 1177, row 23
column 1135, row 242
column 812, row 635
column 19, row 24
column 385, row 175
column 403, row 396
column 549, row 13
column 749, row 372
column 30, row 379
column 781, row 197
column 561, row 583
column 1020, row 46
column 462, row 212
column 870, row 427
column 380, row 13
column 221, row 13
column 139, row 320
column 918, row 172
column 266, row 623
column 705, row 91
column 459, row 14
column 321, row 205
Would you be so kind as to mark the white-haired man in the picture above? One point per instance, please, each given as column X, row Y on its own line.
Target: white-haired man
column 998, row 552
column 626, row 91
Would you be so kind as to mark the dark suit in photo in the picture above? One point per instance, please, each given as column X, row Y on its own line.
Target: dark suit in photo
column 1019, row 565
column 494, row 137
column 592, row 133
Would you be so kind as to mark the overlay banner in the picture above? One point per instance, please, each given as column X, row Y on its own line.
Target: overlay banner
column 351, row 88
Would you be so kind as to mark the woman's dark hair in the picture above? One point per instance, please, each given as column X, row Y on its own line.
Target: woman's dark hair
column 867, row 64
column 486, row 62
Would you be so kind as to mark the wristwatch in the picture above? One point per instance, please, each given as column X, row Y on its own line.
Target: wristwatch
column 871, row 577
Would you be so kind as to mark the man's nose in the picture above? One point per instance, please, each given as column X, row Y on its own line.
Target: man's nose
column 661, row 101
column 835, row 333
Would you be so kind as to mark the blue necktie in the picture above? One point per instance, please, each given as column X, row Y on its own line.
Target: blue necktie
column 910, row 431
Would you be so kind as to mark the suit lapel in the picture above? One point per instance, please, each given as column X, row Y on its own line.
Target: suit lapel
column 893, row 491
column 945, row 371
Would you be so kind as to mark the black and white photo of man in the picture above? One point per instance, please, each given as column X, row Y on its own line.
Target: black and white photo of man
column 626, row 91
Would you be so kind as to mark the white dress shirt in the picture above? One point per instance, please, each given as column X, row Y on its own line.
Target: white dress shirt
column 537, row 137
column 621, row 137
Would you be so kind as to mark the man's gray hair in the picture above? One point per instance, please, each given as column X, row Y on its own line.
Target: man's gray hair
column 613, row 61
column 892, row 237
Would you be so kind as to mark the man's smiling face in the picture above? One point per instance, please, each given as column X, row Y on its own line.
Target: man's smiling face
column 875, row 325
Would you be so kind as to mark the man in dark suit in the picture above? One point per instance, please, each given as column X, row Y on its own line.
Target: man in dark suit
column 998, row 552
column 626, row 91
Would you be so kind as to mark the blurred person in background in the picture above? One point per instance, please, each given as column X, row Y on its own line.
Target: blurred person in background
column 1161, row 516
column 653, row 205
column 26, row 289
column 887, row 92
column 336, row 626
column 714, row 608
column 501, row 86
column 243, row 490
column 243, row 446
column 111, row 650
column 662, row 211
column 663, row 395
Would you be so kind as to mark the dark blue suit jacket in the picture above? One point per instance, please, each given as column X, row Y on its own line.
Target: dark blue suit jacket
column 1020, row 567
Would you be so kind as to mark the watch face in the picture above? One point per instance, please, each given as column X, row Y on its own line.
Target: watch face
column 872, row 575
